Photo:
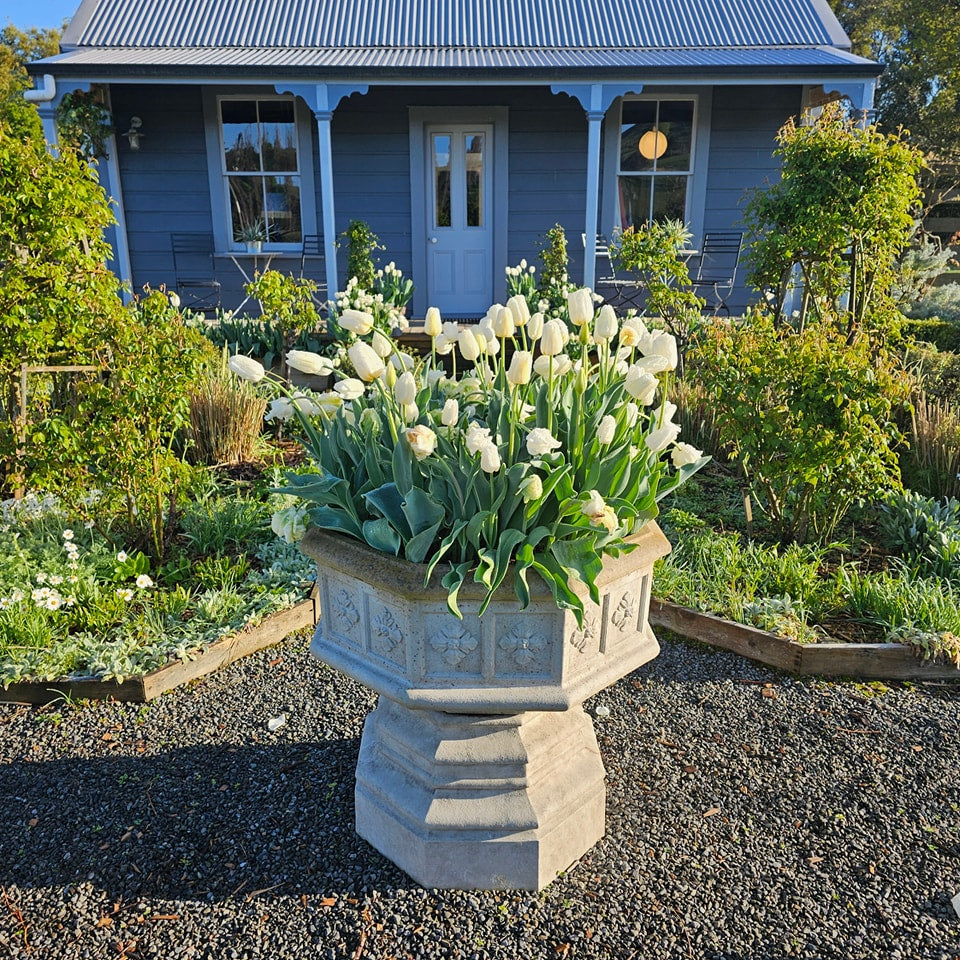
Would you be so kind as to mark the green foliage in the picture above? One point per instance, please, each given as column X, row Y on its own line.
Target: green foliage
column 362, row 243
column 937, row 371
column 939, row 303
column 255, row 337
column 923, row 531
column 73, row 604
column 808, row 416
column 919, row 89
column 920, row 264
column 943, row 334
column 84, row 123
column 287, row 301
column 843, row 208
column 653, row 252
column 17, row 49
column 931, row 465
column 554, row 277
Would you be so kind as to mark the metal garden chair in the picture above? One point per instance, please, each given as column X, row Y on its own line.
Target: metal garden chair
column 195, row 270
column 717, row 270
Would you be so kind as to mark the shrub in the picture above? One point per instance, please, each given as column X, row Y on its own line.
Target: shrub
column 807, row 415
column 937, row 372
column 362, row 243
column 938, row 303
column 287, row 303
column 924, row 531
column 943, row 334
column 845, row 191
column 554, row 276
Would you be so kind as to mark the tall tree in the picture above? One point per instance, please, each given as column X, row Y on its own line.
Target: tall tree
column 17, row 49
column 918, row 41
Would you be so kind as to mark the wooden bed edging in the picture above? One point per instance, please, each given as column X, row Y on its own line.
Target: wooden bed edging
column 249, row 640
column 874, row 661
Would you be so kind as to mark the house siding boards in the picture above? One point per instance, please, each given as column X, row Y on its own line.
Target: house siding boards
column 166, row 191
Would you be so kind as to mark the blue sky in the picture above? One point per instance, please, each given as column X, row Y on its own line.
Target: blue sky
column 36, row 13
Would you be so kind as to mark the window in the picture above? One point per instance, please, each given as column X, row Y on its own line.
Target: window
column 656, row 160
column 261, row 167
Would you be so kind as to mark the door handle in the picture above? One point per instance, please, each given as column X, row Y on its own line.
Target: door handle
column 433, row 240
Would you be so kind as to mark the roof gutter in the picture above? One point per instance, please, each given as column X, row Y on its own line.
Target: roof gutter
column 42, row 94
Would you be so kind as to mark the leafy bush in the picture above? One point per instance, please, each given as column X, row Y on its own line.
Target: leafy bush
column 937, row 372
column 653, row 252
column 845, row 191
column 287, row 303
column 924, row 531
column 943, row 334
column 808, row 416
column 362, row 243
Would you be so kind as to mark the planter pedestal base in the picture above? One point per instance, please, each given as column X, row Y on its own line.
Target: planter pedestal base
column 480, row 802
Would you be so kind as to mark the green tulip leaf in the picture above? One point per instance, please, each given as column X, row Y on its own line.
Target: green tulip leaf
column 381, row 536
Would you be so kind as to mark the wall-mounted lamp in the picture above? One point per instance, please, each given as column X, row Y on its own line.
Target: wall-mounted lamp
column 134, row 133
column 653, row 145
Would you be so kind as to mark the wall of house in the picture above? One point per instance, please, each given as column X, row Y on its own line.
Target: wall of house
column 547, row 163
column 166, row 187
column 742, row 140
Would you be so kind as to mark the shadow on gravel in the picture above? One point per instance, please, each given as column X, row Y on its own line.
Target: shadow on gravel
column 194, row 823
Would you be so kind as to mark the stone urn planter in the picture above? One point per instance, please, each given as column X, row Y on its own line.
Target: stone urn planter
column 479, row 768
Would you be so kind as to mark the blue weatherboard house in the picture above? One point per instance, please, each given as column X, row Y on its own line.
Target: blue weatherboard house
column 459, row 130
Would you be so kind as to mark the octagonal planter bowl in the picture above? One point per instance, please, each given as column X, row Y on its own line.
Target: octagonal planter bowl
column 479, row 767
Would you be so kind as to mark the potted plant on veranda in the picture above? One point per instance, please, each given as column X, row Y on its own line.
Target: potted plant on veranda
column 485, row 544
column 252, row 236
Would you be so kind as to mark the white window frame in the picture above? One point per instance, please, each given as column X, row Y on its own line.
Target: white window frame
column 219, row 177
column 699, row 155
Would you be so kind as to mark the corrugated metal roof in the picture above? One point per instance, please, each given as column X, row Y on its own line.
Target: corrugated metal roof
column 249, row 58
column 453, row 24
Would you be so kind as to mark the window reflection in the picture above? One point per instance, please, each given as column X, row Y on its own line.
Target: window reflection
column 441, row 175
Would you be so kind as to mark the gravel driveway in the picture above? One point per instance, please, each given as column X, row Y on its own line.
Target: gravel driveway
column 749, row 816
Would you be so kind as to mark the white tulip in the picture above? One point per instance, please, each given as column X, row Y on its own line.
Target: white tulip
column 663, row 345
column 476, row 437
column 357, row 321
column 349, row 389
column 540, row 441
column 279, row 409
column 562, row 365
column 593, row 505
column 551, row 343
column 410, row 412
column 432, row 323
column 606, row 326
column 662, row 437
column 365, row 361
column 405, row 389
column 443, row 344
column 521, row 312
column 381, row 345
column 684, row 454
column 246, row 368
column 655, row 363
column 633, row 411
column 402, row 361
column 469, row 345
column 422, row 440
column 531, row 488
column 311, row 363
column 580, row 306
column 503, row 324
column 606, row 429
column 666, row 412
column 642, row 386
column 535, row 327
column 490, row 458
column 520, row 367
column 451, row 413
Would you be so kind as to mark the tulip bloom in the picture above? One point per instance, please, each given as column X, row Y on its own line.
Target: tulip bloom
column 580, row 306
column 365, row 361
column 520, row 367
column 311, row 363
column 433, row 324
column 246, row 368
column 422, row 440
column 356, row 321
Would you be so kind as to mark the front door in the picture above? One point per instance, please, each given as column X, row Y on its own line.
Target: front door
column 459, row 220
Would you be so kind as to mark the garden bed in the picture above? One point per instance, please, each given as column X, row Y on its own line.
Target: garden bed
column 270, row 631
column 874, row 661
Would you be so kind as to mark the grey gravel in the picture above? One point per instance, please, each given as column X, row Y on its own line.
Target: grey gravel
column 749, row 816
